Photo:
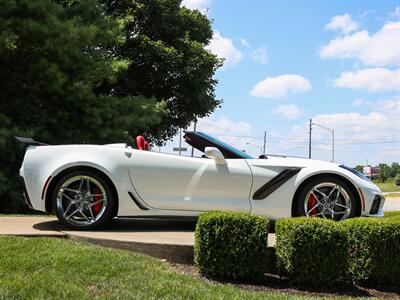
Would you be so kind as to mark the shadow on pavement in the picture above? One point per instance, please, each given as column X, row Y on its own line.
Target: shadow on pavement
column 128, row 225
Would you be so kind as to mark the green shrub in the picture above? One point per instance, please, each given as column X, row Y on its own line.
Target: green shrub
column 392, row 214
column 374, row 255
column 311, row 250
column 231, row 245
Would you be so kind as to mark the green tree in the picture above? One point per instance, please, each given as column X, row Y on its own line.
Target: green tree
column 385, row 172
column 397, row 179
column 359, row 168
column 164, row 49
column 53, row 56
column 395, row 169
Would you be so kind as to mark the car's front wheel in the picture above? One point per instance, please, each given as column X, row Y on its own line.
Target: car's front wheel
column 326, row 197
column 83, row 200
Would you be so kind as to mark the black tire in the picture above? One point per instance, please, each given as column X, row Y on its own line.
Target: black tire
column 106, row 211
column 324, row 182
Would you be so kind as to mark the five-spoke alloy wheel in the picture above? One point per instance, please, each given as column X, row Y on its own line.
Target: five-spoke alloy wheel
column 83, row 200
column 326, row 197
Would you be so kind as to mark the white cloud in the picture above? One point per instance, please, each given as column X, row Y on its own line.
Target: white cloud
column 358, row 136
column 395, row 13
column 244, row 42
column 344, row 23
column 223, row 47
column 201, row 5
column 223, row 126
column 289, row 111
column 378, row 49
column 357, row 102
column 260, row 55
column 280, row 86
column 373, row 80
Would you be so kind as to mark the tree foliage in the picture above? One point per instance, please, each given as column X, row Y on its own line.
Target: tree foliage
column 53, row 55
column 98, row 71
column 166, row 60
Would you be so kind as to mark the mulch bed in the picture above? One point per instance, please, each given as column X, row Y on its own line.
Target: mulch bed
column 273, row 283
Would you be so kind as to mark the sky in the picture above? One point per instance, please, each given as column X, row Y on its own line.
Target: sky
column 336, row 62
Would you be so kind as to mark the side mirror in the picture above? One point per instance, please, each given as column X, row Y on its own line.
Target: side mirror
column 212, row 152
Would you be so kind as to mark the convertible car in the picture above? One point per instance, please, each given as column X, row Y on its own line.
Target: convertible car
column 87, row 185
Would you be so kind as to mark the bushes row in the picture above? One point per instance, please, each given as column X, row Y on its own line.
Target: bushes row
column 360, row 250
column 312, row 251
column 231, row 245
column 320, row 251
column 374, row 255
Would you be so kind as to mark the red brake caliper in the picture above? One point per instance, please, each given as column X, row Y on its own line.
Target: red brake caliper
column 97, row 207
column 311, row 203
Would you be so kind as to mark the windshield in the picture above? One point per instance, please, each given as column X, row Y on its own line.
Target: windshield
column 201, row 140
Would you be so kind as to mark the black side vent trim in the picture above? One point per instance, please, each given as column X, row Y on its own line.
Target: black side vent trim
column 272, row 185
column 137, row 202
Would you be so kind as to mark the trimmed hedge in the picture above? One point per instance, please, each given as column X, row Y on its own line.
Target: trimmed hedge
column 230, row 245
column 374, row 255
column 392, row 214
column 311, row 250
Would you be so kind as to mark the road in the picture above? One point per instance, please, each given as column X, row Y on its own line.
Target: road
column 391, row 204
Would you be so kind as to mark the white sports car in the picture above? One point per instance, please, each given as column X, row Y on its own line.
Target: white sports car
column 86, row 185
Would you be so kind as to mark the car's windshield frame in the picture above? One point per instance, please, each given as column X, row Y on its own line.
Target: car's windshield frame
column 200, row 140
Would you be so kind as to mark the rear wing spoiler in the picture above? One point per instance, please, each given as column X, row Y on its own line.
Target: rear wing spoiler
column 29, row 141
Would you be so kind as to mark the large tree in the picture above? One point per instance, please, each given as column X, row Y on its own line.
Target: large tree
column 53, row 55
column 164, row 51
column 98, row 71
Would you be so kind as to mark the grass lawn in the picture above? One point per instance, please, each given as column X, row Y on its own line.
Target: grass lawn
column 43, row 268
column 388, row 187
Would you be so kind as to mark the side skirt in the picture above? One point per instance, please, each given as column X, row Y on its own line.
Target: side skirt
column 137, row 202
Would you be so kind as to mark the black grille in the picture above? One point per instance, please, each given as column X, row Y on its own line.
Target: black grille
column 375, row 205
column 25, row 193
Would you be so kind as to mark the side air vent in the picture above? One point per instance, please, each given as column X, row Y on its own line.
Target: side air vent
column 272, row 185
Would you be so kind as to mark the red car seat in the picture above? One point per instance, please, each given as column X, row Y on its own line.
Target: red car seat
column 141, row 143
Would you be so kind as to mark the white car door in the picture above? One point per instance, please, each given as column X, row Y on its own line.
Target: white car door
column 172, row 182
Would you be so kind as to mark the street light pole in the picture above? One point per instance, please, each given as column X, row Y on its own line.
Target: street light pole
column 194, row 129
column 265, row 142
column 180, row 141
column 309, row 139
column 332, row 131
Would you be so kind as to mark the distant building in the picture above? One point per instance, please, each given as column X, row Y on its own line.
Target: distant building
column 371, row 172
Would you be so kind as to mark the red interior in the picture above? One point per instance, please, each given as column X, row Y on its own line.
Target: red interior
column 141, row 143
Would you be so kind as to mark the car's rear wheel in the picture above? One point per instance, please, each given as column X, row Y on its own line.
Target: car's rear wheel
column 83, row 200
column 326, row 197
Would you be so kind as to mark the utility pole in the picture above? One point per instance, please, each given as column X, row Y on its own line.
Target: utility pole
column 194, row 129
column 309, row 140
column 265, row 142
column 333, row 145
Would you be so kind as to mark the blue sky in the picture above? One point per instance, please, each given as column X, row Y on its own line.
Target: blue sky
column 337, row 62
